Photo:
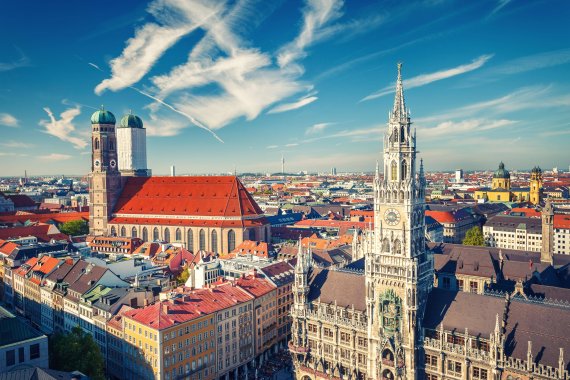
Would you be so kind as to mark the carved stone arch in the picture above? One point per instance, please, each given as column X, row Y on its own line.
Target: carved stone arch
column 387, row 374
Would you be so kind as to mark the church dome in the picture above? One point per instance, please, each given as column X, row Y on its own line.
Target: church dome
column 131, row 121
column 502, row 172
column 536, row 170
column 103, row 116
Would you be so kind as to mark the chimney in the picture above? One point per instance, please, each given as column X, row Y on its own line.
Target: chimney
column 165, row 307
column 172, row 171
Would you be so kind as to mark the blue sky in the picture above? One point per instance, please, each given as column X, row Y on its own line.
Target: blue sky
column 239, row 83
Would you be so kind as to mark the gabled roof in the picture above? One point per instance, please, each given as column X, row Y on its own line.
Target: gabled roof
column 220, row 196
column 344, row 288
column 44, row 232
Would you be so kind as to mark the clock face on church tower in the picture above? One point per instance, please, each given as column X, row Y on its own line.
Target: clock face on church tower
column 392, row 217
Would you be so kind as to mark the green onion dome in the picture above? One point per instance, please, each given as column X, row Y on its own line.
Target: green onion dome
column 502, row 172
column 103, row 116
column 131, row 121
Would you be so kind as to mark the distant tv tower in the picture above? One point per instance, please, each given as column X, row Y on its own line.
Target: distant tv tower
column 282, row 164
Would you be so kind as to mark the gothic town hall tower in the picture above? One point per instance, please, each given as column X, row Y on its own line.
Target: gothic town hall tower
column 399, row 271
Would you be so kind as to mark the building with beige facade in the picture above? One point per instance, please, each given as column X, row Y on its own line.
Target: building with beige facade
column 381, row 317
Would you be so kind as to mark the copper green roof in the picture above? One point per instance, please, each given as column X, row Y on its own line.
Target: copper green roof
column 103, row 117
column 131, row 121
column 502, row 172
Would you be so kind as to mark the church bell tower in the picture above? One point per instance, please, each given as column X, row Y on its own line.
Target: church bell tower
column 105, row 179
column 399, row 269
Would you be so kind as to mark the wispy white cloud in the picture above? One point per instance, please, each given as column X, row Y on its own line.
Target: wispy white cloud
column 64, row 129
column 294, row 105
column 8, row 120
column 317, row 14
column 423, row 79
column 317, row 128
column 533, row 97
column 272, row 147
column 532, row 62
column 500, row 5
column 449, row 128
column 175, row 19
column 16, row 144
column 22, row 61
column 55, row 157
column 290, row 145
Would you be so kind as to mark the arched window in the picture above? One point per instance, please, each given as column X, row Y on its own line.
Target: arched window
column 394, row 175
column 397, row 247
column 202, row 240
column 395, row 135
column 190, row 243
column 231, row 240
column 155, row 234
column 214, row 245
column 134, row 232
column 96, row 144
column 402, row 134
column 123, row 231
column 145, row 234
column 113, row 231
column 385, row 245
column 167, row 235
column 404, row 170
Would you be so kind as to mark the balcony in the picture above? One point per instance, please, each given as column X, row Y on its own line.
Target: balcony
column 298, row 349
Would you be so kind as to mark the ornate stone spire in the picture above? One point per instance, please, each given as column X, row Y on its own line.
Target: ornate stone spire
column 399, row 112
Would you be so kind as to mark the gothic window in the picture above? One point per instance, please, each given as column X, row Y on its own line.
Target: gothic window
column 402, row 134
column 214, row 246
column 388, row 375
column 113, row 231
column 404, row 170
column 394, row 175
column 96, row 144
column 178, row 235
column 385, row 245
column 123, row 231
column 134, row 232
column 190, row 243
column 395, row 135
column 155, row 234
column 167, row 235
column 202, row 240
column 145, row 234
column 231, row 240
column 397, row 247
column 401, row 195
column 387, row 357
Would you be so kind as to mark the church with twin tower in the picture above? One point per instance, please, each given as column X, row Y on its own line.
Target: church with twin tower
column 199, row 213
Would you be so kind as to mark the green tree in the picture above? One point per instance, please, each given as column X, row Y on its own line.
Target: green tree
column 77, row 351
column 474, row 236
column 183, row 276
column 75, row 227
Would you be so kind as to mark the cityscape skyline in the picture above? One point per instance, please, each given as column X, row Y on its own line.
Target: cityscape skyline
column 306, row 80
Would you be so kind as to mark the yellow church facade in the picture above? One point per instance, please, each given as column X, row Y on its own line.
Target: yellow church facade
column 501, row 190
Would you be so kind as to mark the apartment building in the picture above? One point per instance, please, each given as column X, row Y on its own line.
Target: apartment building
column 514, row 232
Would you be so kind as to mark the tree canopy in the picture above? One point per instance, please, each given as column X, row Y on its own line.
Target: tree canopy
column 77, row 351
column 474, row 236
column 75, row 227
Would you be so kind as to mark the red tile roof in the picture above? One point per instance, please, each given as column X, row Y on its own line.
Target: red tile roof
column 190, row 305
column 255, row 285
column 7, row 247
column 21, row 200
column 59, row 217
column 447, row 216
column 44, row 232
column 561, row 221
column 220, row 196
column 530, row 212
